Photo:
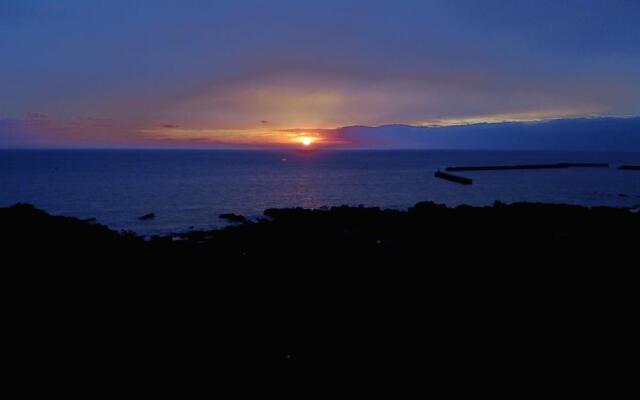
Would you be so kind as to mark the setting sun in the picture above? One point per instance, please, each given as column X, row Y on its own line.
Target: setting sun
column 306, row 141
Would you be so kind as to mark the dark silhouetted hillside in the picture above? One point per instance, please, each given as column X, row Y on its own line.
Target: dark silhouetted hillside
column 488, row 295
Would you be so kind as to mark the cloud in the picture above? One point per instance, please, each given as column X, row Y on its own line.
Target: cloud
column 36, row 129
column 584, row 134
column 313, row 97
column 14, row 133
column 36, row 120
column 579, row 134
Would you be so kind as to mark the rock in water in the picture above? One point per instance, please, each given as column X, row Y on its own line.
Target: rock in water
column 233, row 217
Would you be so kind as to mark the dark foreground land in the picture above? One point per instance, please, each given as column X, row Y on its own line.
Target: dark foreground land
column 506, row 299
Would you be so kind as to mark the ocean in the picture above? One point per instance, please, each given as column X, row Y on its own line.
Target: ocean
column 188, row 189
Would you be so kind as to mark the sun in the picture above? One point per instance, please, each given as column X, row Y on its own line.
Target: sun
column 306, row 141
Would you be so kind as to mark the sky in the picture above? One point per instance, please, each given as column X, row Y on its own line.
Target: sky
column 249, row 73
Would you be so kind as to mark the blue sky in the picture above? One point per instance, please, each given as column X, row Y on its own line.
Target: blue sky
column 252, row 73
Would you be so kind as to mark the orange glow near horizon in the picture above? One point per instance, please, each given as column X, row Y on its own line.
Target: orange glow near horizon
column 306, row 141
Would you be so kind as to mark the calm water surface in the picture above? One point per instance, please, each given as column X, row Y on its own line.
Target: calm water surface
column 190, row 188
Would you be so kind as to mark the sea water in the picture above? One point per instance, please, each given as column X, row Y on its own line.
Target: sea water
column 188, row 189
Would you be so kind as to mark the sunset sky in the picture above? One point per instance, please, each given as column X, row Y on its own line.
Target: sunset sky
column 188, row 73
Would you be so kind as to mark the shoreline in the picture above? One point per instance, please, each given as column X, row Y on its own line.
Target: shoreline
column 221, row 221
column 273, row 215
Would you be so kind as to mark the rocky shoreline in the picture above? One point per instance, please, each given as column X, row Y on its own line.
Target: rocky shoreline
column 512, row 287
column 347, row 231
